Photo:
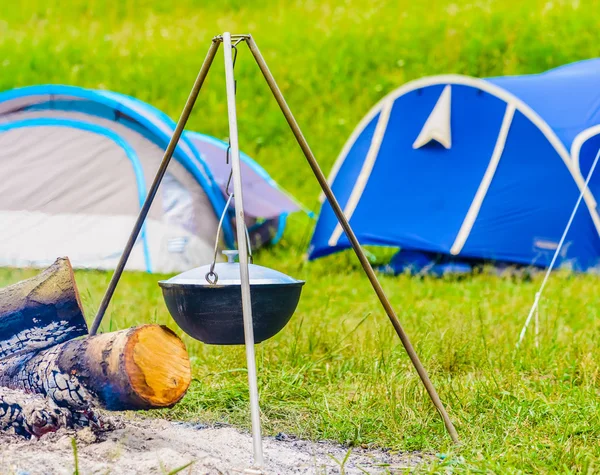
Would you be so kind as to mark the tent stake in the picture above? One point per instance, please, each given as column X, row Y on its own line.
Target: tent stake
column 185, row 114
column 351, row 236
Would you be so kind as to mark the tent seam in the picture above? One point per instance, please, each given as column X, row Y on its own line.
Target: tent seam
column 486, row 181
column 365, row 172
column 580, row 139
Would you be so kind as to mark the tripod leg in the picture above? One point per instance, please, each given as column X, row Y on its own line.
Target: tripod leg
column 352, row 237
column 155, row 184
column 243, row 255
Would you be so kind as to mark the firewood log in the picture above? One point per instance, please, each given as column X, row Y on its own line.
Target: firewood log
column 40, row 312
column 140, row 368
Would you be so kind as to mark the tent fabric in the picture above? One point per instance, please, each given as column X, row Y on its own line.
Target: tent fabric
column 77, row 165
column 267, row 201
column 520, row 150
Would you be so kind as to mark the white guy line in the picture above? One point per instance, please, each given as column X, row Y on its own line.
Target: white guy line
column 559, row 247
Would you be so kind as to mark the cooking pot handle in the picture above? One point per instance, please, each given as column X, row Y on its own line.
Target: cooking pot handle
column 211, row 276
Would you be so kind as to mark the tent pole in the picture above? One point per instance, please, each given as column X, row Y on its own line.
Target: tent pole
column 351, row 236
column 185, row 114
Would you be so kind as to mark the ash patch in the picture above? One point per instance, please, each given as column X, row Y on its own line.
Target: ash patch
column 150, row 446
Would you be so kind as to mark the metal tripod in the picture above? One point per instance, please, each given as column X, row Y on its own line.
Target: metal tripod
column 227, row 40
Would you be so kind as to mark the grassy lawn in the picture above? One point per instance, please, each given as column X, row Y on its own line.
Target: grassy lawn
column 338, row 371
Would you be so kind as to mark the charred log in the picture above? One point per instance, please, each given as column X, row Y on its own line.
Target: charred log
column 31, row 414
column 40, row 312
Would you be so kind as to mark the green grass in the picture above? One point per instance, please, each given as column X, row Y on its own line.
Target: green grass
column 337, row 371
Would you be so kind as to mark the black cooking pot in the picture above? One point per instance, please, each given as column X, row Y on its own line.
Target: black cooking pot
column 208, row 306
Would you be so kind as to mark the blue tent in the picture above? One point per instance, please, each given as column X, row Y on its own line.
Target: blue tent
column 459, row 169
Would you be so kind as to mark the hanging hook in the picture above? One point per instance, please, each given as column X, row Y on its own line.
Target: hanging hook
column 211, row 275
column 229, row 183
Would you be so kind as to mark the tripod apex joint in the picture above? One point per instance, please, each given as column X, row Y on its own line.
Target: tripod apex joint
column 236, row 38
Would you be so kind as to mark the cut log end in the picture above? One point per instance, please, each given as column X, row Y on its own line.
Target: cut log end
column 158, row 365
column 140, row 368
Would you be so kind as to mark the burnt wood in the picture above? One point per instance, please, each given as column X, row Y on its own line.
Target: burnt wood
column 30, row 415
column 40, row 312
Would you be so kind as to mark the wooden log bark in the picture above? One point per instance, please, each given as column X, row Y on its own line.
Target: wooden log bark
column 140, row 368
column 40, row 312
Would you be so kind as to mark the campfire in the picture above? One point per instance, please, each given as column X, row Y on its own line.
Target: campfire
column 53, row 374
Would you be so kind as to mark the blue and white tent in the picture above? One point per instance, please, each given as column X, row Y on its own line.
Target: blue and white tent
column 454, row 168
column 76, row 165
